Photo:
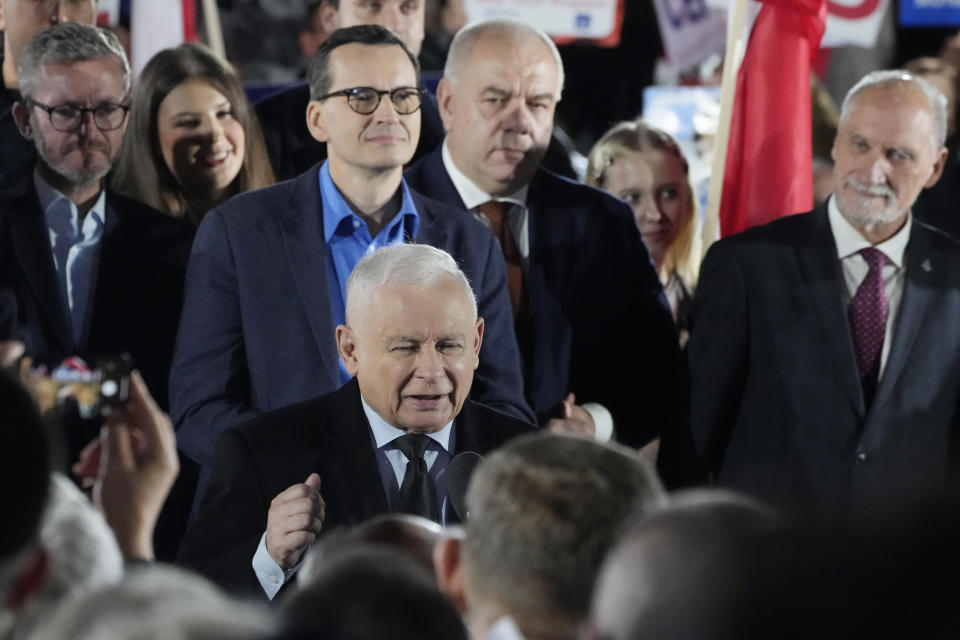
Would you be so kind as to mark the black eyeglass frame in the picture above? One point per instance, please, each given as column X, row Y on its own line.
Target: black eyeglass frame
column 351, row 92
column 81, row 113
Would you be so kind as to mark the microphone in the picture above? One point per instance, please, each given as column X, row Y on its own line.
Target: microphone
column 458, row 479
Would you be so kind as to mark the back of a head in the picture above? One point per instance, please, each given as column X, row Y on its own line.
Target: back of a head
column 68, row 43
column 371, row 592
column 24, row 475
column 158, row 602
column 402, row 533
column 652, row 573
column 543, row 512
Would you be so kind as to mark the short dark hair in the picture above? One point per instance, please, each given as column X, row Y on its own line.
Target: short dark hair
column 25, row 473
column 318, row 73
column 371, row 591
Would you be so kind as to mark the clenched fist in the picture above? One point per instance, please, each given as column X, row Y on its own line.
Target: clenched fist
column 294, row 522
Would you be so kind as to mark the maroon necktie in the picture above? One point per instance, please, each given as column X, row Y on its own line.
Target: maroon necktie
column 868, row 321
column 496, row 212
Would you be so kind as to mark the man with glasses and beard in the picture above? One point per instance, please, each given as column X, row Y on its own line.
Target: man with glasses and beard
column 92, row 272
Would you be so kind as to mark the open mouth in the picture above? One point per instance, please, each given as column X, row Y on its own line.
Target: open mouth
column 215, row 159
column 425, row 401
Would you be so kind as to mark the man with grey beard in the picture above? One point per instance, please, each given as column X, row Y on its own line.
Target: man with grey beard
column 91, row 272
column 825, row 356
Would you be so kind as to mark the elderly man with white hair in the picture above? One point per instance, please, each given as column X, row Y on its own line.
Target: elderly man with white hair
column 384, row 442
column 825, row 358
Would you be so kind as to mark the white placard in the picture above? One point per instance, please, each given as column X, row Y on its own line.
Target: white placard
column 691, row 31
column 853, row 22
column 593, row 19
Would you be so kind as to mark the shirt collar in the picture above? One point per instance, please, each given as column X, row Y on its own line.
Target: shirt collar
column 472, row 195
column 384, row 433
column 850, row 241
column 48, row 197
column 336, row 209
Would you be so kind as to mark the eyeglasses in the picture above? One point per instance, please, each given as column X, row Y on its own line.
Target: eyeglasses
column 67, row 117
column 365, row 100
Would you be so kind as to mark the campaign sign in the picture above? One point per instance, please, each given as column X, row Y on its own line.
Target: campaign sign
column 929, row 13
column 580, row 19
column 691, row 31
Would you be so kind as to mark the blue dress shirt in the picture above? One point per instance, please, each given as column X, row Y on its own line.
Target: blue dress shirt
column 76, row 252
column 348, row 240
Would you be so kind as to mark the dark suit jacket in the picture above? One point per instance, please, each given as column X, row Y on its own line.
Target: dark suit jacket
column 257, row 331
column 596, row 320
column 777, row 408
column 328, row 435
column 138, row 290
column 292, row 150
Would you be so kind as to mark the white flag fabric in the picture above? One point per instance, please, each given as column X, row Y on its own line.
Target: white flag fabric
column 154, row 25
column 853, row 22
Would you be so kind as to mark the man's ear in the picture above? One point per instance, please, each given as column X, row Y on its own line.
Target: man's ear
column 937, row 168
column 328, row 17
column 21, row 115
column 347, row 348
column 479, row 341
column 448, row 568
column 444, row 95
column 315, row 123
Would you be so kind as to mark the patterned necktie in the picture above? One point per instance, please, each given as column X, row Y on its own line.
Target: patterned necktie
column 497, row 212
column 418, row 494
column 868, row 321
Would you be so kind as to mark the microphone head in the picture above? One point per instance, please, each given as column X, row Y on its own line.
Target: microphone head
column 459, row 472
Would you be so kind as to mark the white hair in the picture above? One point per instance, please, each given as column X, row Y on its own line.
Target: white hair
column 82, row 554
column 467, row 37
column 405, row 263
column 889, row 78
column 158, row 602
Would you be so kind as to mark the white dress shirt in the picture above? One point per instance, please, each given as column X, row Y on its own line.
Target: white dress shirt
column 854, row 266
column 75, row 249
column 392, row 466
column 518, row 218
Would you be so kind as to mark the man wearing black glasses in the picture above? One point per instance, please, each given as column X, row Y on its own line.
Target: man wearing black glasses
column 92, row 272
column 266, row 282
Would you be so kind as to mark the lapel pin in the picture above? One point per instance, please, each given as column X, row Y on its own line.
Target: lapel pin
column 925, row 265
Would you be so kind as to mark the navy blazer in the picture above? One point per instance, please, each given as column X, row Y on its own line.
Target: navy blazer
column 777, row 409
column 138, row 290
column 257, row 331
column 596, row 321
column 328, row 435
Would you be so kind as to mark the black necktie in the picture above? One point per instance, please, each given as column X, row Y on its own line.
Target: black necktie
column 417, row 493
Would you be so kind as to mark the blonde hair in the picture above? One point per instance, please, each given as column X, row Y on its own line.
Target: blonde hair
column 634, row 136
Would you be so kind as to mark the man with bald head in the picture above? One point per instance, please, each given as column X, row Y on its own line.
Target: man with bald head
column 381, row 443
column 825, row 359
column 20, row 20
column 593, row 329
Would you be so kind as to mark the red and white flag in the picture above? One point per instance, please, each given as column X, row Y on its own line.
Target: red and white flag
column 157, row 25
column 768, row 171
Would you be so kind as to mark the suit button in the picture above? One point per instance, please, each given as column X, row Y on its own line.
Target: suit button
column 861, row 458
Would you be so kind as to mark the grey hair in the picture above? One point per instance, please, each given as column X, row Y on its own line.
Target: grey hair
column 157, row 602
column 891, row 77
column 405, row 263
column 544, row 510
column 467, row 37
column 67, row 43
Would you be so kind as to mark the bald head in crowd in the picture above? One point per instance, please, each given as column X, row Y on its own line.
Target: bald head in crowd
column 531, row 553
column 646, row 577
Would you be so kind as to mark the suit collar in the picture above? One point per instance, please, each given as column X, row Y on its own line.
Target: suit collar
column 302, row 238
column 31, row 249
column 816, row 253
column 924, row 277
column 472, row 431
